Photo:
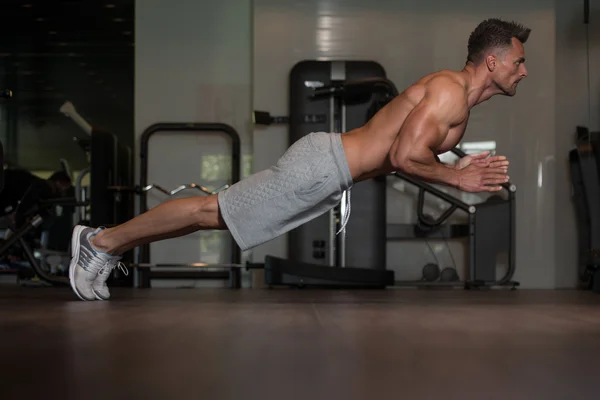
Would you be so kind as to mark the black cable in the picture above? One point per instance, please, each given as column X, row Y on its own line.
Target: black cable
column 441, row 230
column 447, row 247
column 449, row 251
column 432, row 252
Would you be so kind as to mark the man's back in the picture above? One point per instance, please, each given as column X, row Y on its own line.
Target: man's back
column 376, row 138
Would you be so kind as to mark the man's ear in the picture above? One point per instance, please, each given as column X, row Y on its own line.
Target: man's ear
column 491, row 62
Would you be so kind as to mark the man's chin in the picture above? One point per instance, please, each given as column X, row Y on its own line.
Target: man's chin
column 510, row 92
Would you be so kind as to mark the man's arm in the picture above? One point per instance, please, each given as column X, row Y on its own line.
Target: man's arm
column 425, row 129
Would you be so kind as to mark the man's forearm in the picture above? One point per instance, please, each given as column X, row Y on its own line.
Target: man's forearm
column 432, row 171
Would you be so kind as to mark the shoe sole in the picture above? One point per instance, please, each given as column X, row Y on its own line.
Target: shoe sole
column 74, row 257
column 98, row 296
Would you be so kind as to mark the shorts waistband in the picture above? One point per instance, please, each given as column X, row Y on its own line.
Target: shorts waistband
column 341, row 161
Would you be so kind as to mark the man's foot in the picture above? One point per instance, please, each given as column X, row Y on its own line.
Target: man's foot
column 87, row 262
column 99, row 285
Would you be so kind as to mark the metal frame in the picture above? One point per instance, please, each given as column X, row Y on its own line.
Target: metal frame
column 512, row 256
column 472, row 212
column 339, row 94
column 33, row 223
column 29, row 252
column 584, row 175
column 340, row 91
column 143, row 265
column 352, row 88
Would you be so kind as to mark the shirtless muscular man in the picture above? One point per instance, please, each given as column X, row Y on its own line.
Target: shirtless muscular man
column 427, row 119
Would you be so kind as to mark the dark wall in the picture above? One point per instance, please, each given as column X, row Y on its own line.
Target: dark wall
column 55, row 51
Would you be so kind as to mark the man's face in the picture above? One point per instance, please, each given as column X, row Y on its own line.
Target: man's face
column 510, row 68
column 62, row 187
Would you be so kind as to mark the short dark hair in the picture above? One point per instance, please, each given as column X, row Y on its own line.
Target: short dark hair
column 60, row 176
column 494, row 33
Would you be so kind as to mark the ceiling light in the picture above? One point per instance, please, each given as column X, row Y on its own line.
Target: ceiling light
column 109, row 5
column 27, row 5
column 51, row 32
column 40, row 19
column 118, row 19
column 126, row 33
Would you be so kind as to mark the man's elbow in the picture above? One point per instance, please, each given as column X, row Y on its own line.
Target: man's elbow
column 401, row 163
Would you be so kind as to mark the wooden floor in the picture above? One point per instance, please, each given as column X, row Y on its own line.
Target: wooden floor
column 299, row 344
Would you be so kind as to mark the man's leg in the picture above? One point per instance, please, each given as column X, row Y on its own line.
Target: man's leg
column 96, row 252
column 307, row 181
column 168, row 220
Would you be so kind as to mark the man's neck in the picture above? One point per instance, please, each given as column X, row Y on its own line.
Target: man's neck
column 480, row 86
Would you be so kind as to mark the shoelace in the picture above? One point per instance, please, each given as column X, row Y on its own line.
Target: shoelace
column 123, row 268
column 120, row 265
column 346, row 216
column 97, row 264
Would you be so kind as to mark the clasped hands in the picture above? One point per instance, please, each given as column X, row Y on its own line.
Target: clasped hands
column 482, row 172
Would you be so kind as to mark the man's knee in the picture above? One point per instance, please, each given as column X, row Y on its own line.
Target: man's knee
column 209, row 208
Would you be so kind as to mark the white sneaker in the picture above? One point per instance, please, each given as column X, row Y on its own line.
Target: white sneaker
column 86, row 262
column 99, row 285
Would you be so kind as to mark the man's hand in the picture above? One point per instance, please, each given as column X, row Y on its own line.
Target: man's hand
column 483, row 160
column 477, row 178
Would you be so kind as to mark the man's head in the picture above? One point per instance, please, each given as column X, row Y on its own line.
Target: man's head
column 498, row 46
column 61, row 182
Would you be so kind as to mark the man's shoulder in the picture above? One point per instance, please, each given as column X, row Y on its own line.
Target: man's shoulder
column 446, row 93
column 446, row 82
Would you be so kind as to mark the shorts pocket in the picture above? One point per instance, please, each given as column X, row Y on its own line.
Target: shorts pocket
column 318, row 195
column 314, row 186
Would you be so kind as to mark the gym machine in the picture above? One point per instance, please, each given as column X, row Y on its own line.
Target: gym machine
column 111, row 166
column 490, row 229
column 112, row 194
column 144, row 270
column 34, row 211
column 335, row 96
column 585, row 180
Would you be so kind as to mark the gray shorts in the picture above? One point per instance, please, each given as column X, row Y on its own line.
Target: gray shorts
column 306, row 182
